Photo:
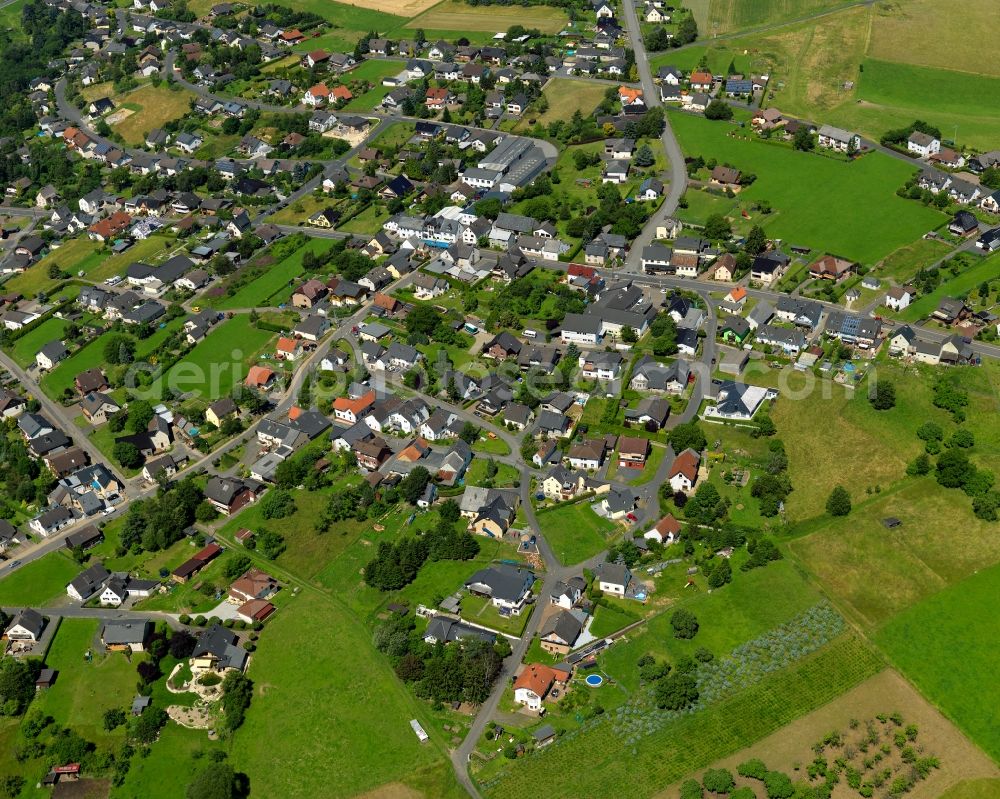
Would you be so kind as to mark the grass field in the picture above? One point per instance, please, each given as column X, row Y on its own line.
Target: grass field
column 322, row 695
column 723, row 16
column 26, row 347
column 156, row 106
column 958, row 286
column 973, row 789
column 276, row 277
column 91, row 355
column 39, row 582
column 151, row 251
column 361, row 16
column 884, row 693
column 944, row 645
column 574, row 531
column 76, row 255
column 627, row 768
column 456, row 15
column 813, row 63
column 565, row 97
column 898, row 33
column 905, row 262
column 83, row 691
column 846, row 218
column 221, row 360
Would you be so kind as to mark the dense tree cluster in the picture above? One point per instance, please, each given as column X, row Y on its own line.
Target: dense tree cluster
column 773, row 486
column 396, row 564
column 23, row 478
column 237, row 691
column 457, row 672
column 156, row 523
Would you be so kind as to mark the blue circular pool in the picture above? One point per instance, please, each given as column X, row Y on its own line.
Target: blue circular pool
column 594, row 680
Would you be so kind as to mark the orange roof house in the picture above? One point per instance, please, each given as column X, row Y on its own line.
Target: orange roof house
column 288, row 348
column 259, row 377
column 628, row 95
column 341, row 93
column 415, row 451
column 534, row 683
column 701, row 79
column 666, row 530
column 293, row 35
column 255, row 610
column 351, row 409
column 110, row 226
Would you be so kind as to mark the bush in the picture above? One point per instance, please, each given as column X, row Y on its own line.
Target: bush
column 754, row 769
column 718, row 780
column 209, row 679
column 691, row 789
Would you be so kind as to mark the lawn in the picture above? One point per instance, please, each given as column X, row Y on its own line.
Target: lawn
column 83, row 691
column 157, row 105
column 276, row 277
column 92, row 354
column 28, row 345
column 574, row 531
column 369, row 221
column 945, row 645
column 718, row 55
column 322, row 695
column 354, row 19
column 39, row 582
column 958, row 286
column 485, row 445
column 566, row 97
column 833, row 436
column 75, row 255
column 450, row 15
column 702, row 204
column 221, row 360
column 630, row 763
column 475, row 475
column 905, row 262
column 152, row 250
column 480, row 610
column 847, row 218
column 609, row 619
column 308, row 551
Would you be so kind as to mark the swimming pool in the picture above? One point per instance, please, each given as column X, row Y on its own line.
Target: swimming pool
column 594, row 680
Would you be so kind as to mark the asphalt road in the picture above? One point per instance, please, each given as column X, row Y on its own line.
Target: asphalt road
column 677, row 178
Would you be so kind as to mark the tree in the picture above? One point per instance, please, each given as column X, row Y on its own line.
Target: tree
column 919, row 466
column 182, row 644
column 718, row 780
column 839, row 502
column 114, row 717
column 717, row 109
column 644, row 156
column 127, row 455
column 756, row 241
column 236, row 565
column 215, row 781
column 676, row 691
column 277, row 504
column 720, row 575
column 688, row 436
column 803, row 139
column 882, row 395
column 717, row 227
column 685, row 623
column 119, row 349
column 140, row 413
column 953, row 468
column 237, row 691
column 411, row 487
column 962, row 438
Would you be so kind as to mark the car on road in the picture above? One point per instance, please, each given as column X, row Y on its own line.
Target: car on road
column 15, row 564
column 631, row 517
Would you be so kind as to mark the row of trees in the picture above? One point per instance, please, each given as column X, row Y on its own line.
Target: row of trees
column 396, row 564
